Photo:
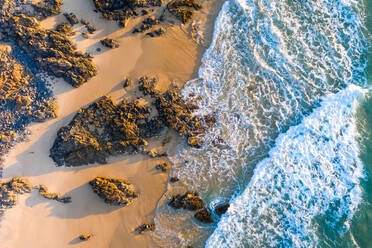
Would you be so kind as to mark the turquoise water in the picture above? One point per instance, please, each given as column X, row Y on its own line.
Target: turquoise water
column 287, row 83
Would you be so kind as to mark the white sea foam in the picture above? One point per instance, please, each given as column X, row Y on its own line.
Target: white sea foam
column 313, row 168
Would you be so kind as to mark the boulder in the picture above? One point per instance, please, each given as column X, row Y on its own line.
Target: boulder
column 111, row 43
column 188, row 201
column 222, row 208
column 204, row 216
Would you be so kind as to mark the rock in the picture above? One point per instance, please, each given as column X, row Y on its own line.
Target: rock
column 98, row 131
column 91, row 29
column 85, row 236
column 144, row 228
column 9, row 191
column 127, row 82
column 85, row 35
column 84, row 22
column 144, row 12
column 114, row 191
column 52, row 51
column 156, row 33
column 204, row 216
column 43, row 190
column 189, row 201
column 147, row 24
column 111, row 43
column 65, row 29
column 182, row 9
column 162, row 166
column 222, row 208
column 47, row 8
column 71, row 18
column 174, row 179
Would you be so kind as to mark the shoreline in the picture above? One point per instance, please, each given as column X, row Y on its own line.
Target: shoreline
column 173, row 58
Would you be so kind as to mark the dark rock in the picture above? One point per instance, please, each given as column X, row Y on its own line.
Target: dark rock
column 84, row 22
column 147, row 24
column 144, row 228
column 204, row 216
column 85, row 35
column 98, row 49
column 85, row 237
column 114, row 191
column 71, row 18
column 221, row 209
column 144, row 12
column 162, row 166
column 174, row 179
column 156, row 33
column 51, row 50
column 91, row 29
column 47, row 8
column 111, row 43
column 189, row 201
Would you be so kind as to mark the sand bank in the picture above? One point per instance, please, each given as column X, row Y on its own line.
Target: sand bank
column 37, row 222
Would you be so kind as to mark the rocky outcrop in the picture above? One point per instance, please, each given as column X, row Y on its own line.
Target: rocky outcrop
column 145, row 228
column 183, row 9
column 24, row 98
column 43, row 190
column 9, row 191
column 204, row 216
column 114, row 191
column 188, row 201
column 52, row 51
column 98, row 131
column 65, row 29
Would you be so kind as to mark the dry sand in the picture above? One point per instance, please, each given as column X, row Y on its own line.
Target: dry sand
column 36, row 222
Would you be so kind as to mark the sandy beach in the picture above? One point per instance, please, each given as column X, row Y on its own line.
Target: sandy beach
column 38, row 222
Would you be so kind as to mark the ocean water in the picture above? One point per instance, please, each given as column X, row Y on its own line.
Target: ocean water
column 289, row 86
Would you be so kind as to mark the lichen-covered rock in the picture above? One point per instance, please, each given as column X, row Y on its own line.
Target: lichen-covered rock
column 9, row 191
column 24, row 98
column 182, row 9
column 111, row 43
column 47, row 8
column 51, row 50
column 145, row 228
column 188, row 201
column 43, row 190
column 100, row 130
column 114, row 191
column 221, row 208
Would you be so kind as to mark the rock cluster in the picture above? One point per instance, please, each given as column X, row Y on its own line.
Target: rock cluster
column 191, row 202
column 145, row 228
column 43, row 190
column 183, row 9
column 51, row 50
column 146, row 24
column 9, row 191
column 114, row 191
column 111, row 43
column 24, row 98
column 100, row 130
column 162, row 166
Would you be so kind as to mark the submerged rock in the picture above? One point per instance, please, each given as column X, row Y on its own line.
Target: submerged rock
column 145, row 228
column 111, row 43
column 9, row 191
column 204, row 216
column 51, row 50
column 188, row 201
column 114, row 191
column 222, row 208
